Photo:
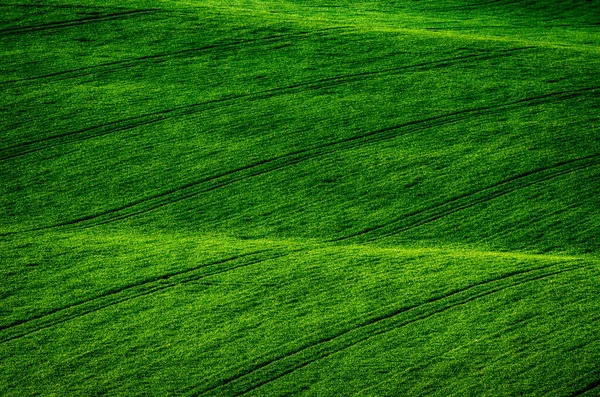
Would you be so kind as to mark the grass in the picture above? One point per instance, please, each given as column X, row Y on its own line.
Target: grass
column 299, row 198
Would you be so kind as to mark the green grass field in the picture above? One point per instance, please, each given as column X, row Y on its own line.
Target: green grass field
column 285, row 197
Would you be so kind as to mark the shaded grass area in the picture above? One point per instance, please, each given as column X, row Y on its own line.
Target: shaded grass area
column 285, row 197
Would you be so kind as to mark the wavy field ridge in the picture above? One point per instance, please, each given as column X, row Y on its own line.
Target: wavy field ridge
column 279, row 197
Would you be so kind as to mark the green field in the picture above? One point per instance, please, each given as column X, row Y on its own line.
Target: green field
column 285, row 197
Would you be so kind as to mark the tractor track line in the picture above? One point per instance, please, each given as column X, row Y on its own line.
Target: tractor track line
column 133, row 62
column 67, row 6
column 159, row 116
column 589, row 387
column 259, row 95
column 391, row 378
column 186, row 195
column 120, row 299
column 438, row 119
column 554, row 174
column 75, row 22
column 494, row 2
column 124, row 288
column 380, row 332
column 290, row 162
column 378, row 319
column 489, row 198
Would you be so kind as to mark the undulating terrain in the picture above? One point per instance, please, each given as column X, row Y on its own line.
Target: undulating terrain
column 300, row 197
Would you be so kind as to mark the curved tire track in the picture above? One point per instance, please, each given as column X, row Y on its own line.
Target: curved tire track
column 210, row 183
column 141, row 61
column 75, row 22
column 19, row 329
column 468, row 200
column 186, row 110
column 281, row 365
column 592, row 386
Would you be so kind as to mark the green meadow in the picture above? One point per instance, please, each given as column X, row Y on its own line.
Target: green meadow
column 312, row 198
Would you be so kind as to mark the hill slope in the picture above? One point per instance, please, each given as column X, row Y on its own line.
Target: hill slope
column 298, row 197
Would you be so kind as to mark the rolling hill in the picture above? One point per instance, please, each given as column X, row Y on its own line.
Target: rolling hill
column 279, row 197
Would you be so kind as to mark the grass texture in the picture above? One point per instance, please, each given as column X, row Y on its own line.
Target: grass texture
column 284, row 197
